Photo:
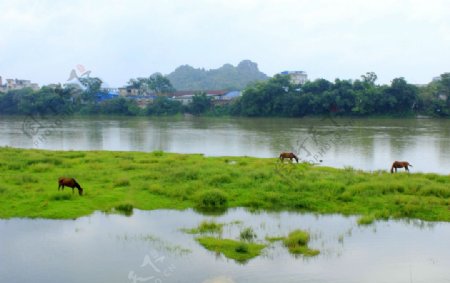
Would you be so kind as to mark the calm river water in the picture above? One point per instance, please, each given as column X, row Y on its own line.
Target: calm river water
column 369, row 144
column 149, row 246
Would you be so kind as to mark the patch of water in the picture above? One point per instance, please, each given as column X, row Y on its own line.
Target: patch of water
column 150, row 246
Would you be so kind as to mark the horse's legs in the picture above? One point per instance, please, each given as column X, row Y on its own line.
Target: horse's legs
column 406, row 168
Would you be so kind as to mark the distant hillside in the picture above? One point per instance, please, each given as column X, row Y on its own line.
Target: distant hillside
column 226, row 77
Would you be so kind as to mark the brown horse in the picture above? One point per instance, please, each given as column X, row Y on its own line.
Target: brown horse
column 71, row 183
column 289, row 155
column 400, row 164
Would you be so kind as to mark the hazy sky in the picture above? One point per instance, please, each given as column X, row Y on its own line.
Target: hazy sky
column 117, row 40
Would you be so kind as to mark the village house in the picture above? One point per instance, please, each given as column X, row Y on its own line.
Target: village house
column 217, row 96
column 12, row 84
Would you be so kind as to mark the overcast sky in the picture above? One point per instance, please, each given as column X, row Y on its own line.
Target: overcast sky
column 118, row 40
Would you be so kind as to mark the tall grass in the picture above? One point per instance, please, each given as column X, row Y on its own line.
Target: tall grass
column 28, row 185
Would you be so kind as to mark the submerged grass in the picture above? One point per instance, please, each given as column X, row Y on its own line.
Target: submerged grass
column 28, row 185
column 124, row 208
column 206, row 227
column 297, row 243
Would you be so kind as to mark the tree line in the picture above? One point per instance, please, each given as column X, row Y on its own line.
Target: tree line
column 361, row 97
column 276, row 97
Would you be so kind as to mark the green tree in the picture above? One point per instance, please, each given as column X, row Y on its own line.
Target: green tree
column 155, row 83
column 369, row 78
column 92, row 85
column 120, row 106
column 434, row 98
column 404, row 94
column 141, row 84
column 160, row 84
column 266, row 98
column 200, row 103
column 343, row 97
column 444, row 91
column 369, row 97
column 163, row 105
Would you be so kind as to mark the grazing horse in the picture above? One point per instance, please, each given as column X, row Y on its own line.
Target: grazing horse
column 289, row 155
column 400, row 164
column 71, row 183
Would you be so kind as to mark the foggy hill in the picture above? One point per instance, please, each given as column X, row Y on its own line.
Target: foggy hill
column 226, row 77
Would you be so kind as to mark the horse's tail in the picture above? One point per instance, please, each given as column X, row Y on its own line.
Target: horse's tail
column 410, row 165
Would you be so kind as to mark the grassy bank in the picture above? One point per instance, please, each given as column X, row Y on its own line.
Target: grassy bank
column 28, row 185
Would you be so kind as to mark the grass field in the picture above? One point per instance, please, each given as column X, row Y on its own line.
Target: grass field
column 123, row 180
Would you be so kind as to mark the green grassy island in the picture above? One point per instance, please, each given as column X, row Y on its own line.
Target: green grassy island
column 120, row 181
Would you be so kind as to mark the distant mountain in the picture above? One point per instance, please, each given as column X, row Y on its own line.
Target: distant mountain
column 226, row 77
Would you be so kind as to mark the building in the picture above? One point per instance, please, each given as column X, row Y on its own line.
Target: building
column 12, row 84
column 217, row 96
column 297, row 77
column 107, row 94
column 128, row 91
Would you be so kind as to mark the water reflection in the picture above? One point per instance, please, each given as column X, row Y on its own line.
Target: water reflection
column 115, row 248
column 369, row 144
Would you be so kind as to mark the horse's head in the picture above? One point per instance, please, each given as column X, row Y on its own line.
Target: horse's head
column 80, row 191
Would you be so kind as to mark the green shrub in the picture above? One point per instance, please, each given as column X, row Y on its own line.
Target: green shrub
column 212, row 199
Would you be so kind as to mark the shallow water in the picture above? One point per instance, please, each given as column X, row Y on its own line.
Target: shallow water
column 369, row 144
column 150, row 247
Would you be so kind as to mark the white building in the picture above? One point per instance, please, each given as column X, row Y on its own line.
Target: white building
column 297, row 77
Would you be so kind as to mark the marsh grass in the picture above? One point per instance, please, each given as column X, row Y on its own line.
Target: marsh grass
column 206, row 227
column 156, row 242
column 208, row 184
column 247, row 234
column 272, row 239
column 366, row 219
column 124, row 208
column 239, row 251
column 297, row 243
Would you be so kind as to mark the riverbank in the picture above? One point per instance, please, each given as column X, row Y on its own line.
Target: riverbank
column 157, row 180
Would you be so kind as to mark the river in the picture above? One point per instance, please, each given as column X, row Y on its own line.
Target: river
column 362, row 143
